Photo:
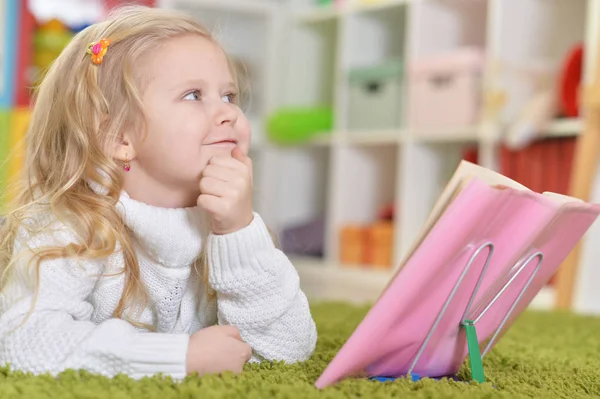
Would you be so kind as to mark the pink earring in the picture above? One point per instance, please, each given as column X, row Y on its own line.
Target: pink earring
column 126, row 166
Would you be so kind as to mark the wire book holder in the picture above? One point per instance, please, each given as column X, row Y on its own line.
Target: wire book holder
column 470, row 323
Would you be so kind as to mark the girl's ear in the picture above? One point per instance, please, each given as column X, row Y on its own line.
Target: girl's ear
column 123, row 149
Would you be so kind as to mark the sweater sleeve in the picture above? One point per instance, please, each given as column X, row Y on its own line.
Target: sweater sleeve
column 58, row 334
column 258, row 291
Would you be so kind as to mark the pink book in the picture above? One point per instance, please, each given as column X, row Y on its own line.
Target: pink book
column 488, row 247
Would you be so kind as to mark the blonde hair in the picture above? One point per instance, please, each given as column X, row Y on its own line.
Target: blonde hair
column 80, row 109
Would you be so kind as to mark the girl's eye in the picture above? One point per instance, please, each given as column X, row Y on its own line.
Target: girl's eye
column 230, row 98
column 193, row 96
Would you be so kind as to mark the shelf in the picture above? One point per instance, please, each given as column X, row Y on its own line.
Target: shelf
column 564, row 128
column 245, row 6
column 469, row 134
column 319, row 140
column 374, row 137
column 321, row 280
column 370, row 158
column 315, row 14
column 374, row 6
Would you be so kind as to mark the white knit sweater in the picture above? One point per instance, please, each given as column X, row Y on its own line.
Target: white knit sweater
column 72, row 326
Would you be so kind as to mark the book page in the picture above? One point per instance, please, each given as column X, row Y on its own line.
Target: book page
column 461, row 177
column 464, row 172
column 561, row 198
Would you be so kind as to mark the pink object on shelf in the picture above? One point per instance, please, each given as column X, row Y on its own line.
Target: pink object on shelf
column 520, row 225
column 444, row 90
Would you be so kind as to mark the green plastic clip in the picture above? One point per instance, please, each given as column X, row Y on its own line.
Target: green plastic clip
column 474, row 352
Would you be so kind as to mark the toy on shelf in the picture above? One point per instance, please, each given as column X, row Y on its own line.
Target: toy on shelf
column 352, row 245
column 570, row 81
column 370, row 245
column 379, row 244
column 297, row 125
column 306, row 239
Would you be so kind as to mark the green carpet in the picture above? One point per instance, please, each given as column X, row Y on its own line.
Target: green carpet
column 544, row 356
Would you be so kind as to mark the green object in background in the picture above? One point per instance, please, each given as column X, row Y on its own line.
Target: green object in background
column 544, row 355
column 297, row 125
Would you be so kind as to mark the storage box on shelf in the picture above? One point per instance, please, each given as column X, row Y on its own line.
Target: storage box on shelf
column 375, row 94
column 445, row 91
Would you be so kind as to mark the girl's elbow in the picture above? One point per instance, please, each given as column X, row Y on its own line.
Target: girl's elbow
column 303, row 346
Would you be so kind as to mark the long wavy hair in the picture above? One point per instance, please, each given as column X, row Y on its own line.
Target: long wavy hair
column 80, row 110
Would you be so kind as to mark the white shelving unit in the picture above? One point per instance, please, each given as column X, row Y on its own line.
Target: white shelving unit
column 304, row 55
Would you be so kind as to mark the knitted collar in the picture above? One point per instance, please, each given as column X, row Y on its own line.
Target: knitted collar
column 171, row 237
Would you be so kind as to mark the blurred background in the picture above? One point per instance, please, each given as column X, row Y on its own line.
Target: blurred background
column 362, row 109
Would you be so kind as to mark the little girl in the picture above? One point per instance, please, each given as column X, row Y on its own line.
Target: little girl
column 133, row 247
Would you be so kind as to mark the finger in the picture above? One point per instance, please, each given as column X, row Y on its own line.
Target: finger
column 227, row 162
column 244, row 350
column 210, row 203
column 231, row 331
column 238, row 163
column 221, row 173
column 214, row 186
column 247, row 354
column 236, row 153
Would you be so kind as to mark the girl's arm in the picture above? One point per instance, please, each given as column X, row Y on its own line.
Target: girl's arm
column 59, row 333
column 258, row 291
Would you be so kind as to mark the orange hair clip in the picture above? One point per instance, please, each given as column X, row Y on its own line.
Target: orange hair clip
column 97, row 50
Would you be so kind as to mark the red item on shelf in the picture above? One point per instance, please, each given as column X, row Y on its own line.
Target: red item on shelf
column 570, row 80
column 387, row 212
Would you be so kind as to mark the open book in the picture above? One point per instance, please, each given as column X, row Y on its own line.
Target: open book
column 465, row 173
column 487, row 248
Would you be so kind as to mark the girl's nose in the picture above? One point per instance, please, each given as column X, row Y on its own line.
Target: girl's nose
column 225, row 114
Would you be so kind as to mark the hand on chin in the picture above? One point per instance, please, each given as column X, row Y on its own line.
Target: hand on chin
column 226, row 189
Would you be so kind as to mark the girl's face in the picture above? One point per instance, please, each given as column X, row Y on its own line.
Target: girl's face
column 190, row 102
